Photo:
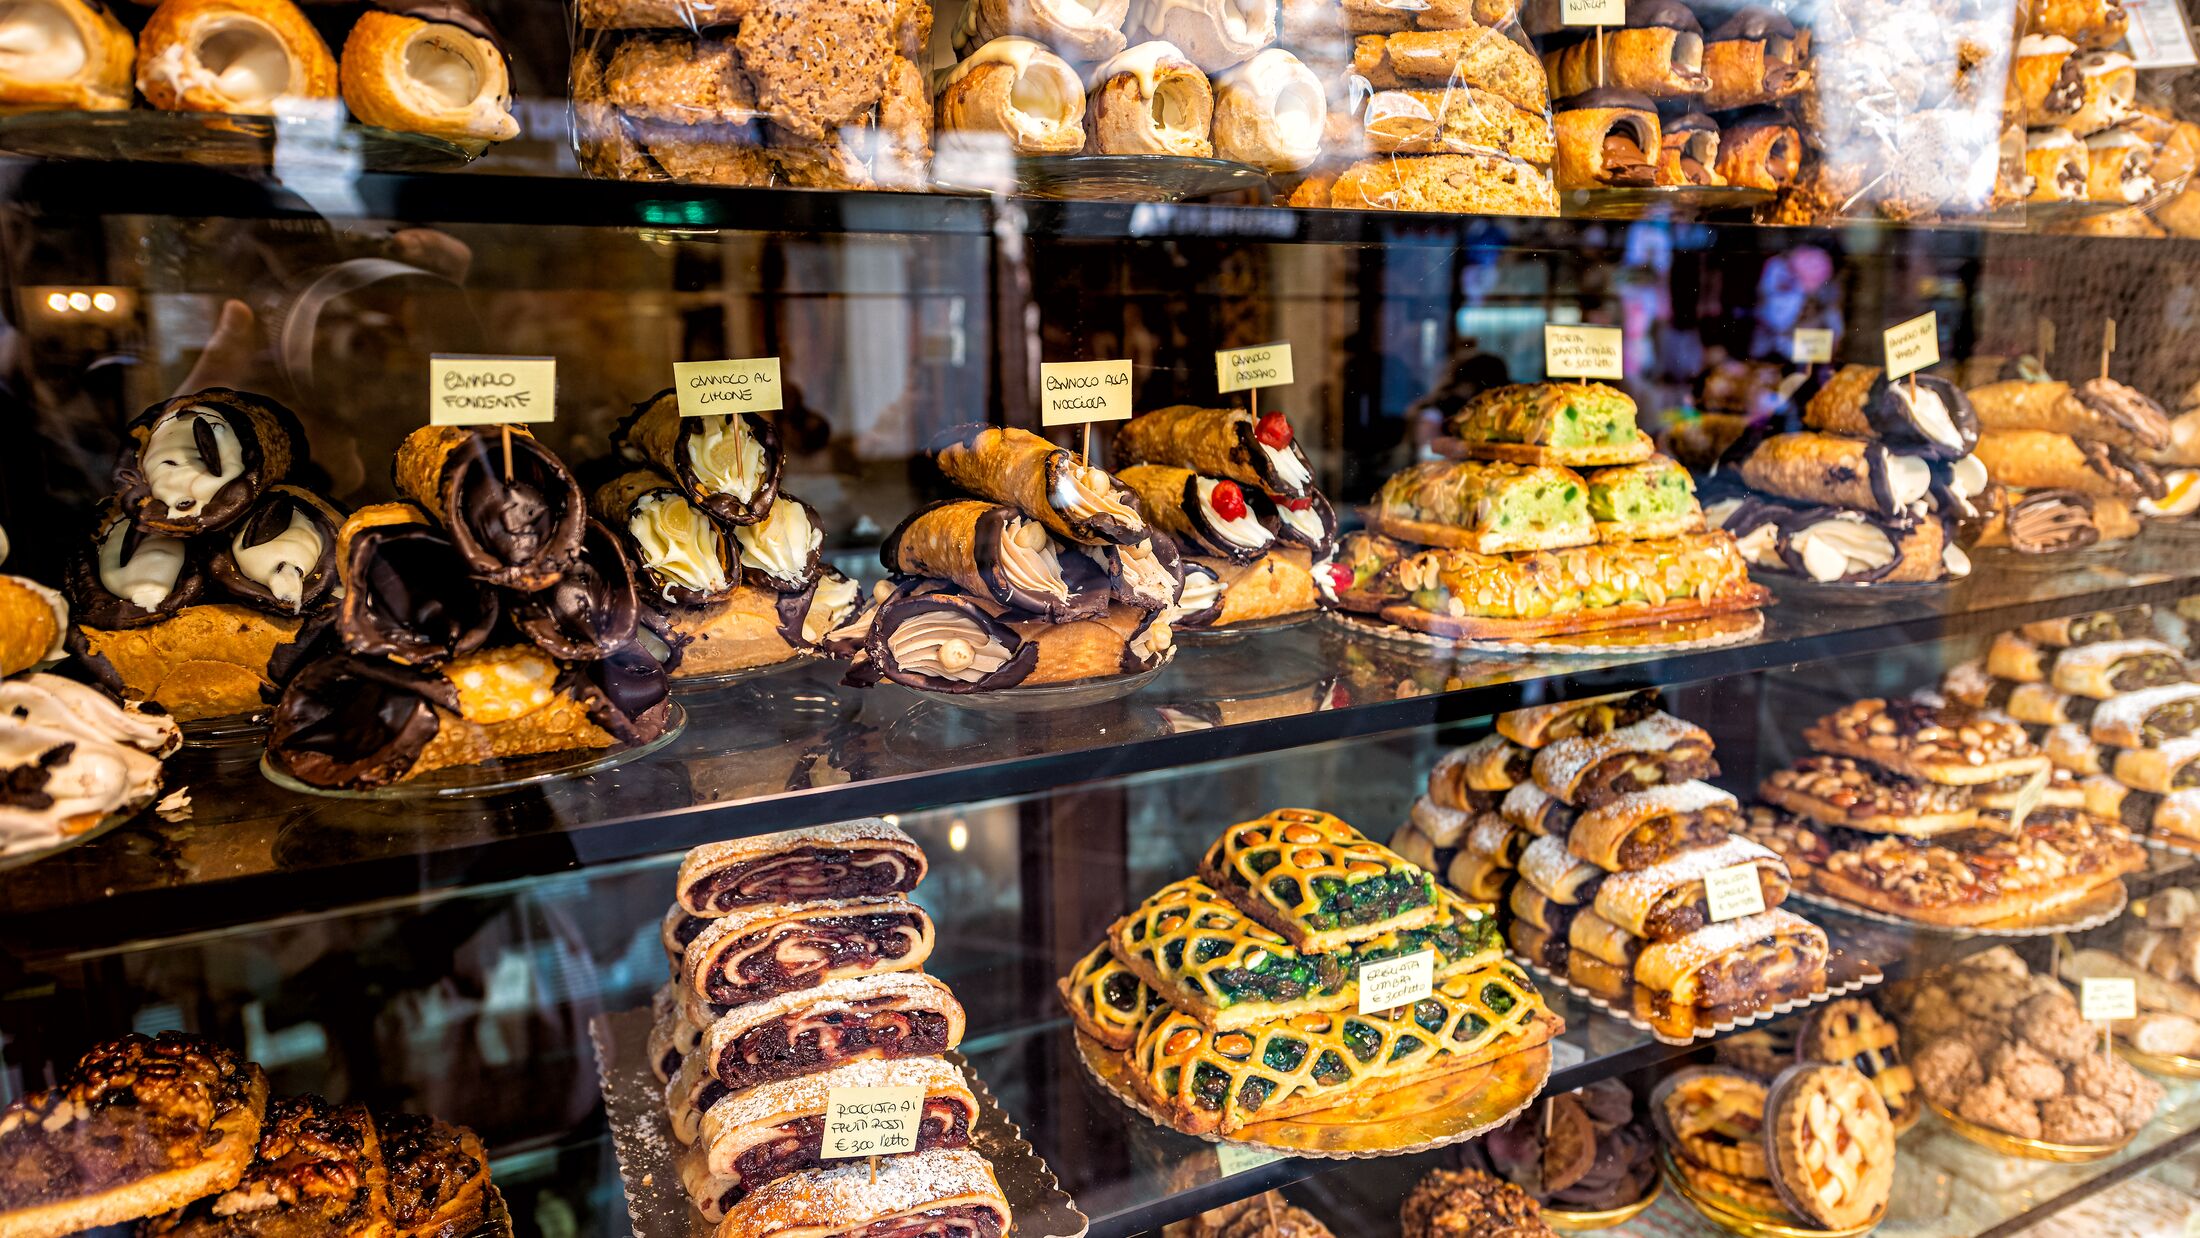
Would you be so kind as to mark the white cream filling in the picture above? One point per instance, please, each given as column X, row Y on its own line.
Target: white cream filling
column 943, row 645
column 831, row 603
column 1834, row 549
column 2045, row 45
column 780, row 544
column 172, row 466
column 679, row 544
column 64, row 705
column 1306, row 522
column 150, row 575
column 1085, row 492
column 1245, row 533
column 1203, row 589
column 280, row 563
column 1290, row 468
column 238, row 57
column 1967, row 477
column 92, row 781
column 38, row 42
column 1029, row 561
column 1908, row 479
column 726, row 458
column 1929, row 414
column 1143, row 572
column 1045, row 91
column 2181, row 497
column 1150, row 644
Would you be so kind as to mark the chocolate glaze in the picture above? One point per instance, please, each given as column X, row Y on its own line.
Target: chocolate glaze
column 315, row 636
column 1669, row 14
column 1200, row 618
column 2123, row 468
column 592, row 610
column 1249, row 450
column 269, row 518
column 1268, row 511
column 89, row 601
column 898, row 610
column 1203, row 527
column 1132, row 661
column 1605, row 98
column 231, row 501
column 1797, row 520
column 1090, row 587
column 356, row 722
column 1099, row 527
column 409, row 596
column 1690, row 122
column 2127, row 407
column 1754, row 24
column 722, row 507
column 520, row 534
column 1889, row 417
column 625, row 693
column 794, row 608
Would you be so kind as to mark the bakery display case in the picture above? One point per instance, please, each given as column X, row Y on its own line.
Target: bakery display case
column 1194, row 617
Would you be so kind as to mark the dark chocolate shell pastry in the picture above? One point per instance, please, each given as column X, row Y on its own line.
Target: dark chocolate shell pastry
column 195, row 463
column 1689, row 152
column 783, row 551
column 516, row 528
column 408, row 596
column 895, row 1015
column 1310, row 522
column 940, row 641
column 282, row 556
column 990, row 550
column 593, row 611
column 1147, row 574
column 808, row 618
column 128, row 578
column 727, row 463
column 865, row 859
column 1208, row 516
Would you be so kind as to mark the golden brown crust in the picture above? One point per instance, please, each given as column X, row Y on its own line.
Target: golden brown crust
column 2031, row 901
column 380, row 85
column 202, row 662
column 178, row 24
column 101, row 84
column 1470, row 628
column 1446, row 184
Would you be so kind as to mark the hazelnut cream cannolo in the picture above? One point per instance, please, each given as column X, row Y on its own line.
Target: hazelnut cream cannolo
column 1086, row 30
column 231, row 56
column 2100, row 410
column 862, row 1018
column 726, row 463
column 1054, row 486
column 593, row 611
column 1147, row 574
column 778, row 1129
column 1436, row 59
column 2045, row 80
column 1270, row 113
column 948, row 1191
column 2043, row 522
column 1309, row 523
column 1221, row 443
column 1018, row 91
column 1149, row 100
column 1834, row 471
column 195, row 463
column 65, row 54
column 1756, row 57
column 684, row 556
column 2108, row 88
column 128, row 578
column 34, row 625
column 1660, row 52
column 784, row 550
column 2058, row 165
column 2043, row 460
column 1216, row 34
column 1607, row 137
column 407, row 595
column 1931, row 417
column 444, row 78
column 938, row 641
column 2119, row 167
column 515, row 528
column 1203, row 514
column 865, row 859
column 282, row 556
column 1689, row 154
column 990, row 550
column 756, row 953
column 1762, row 150
column 1457, row 118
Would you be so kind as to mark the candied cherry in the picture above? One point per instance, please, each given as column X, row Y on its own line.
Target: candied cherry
column 1340, row 577
column 1228, row 500
column 1297, row 505
column 1274, row 430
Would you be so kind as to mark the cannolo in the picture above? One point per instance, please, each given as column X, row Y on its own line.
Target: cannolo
column 1452, row 184
column 1215, row 34
column 1090, row 32
column 726, row 463
column 1660, row 52
column 1490, row 507
column 1761, row 150
column 751, row 626
column 407, row 596
column 2119, row 167
column 944, row 642
column 2045, row 80
column 128, row 578
column 1207, row 515
column 1122, row 641
column 990, row 550
column 1456, row 118
column 1309, row 523
column 1480, row 55
column 683, row 554
column 515, row 528
column 1223, row 443
column 2180, row 496
column 2057, row 164
column 238, row 56
column 784, row 550
column 1930, row 416
column 1754, row 524
column 1839, row 472
column 1057, row 488
column 1271, row 585
column 1607, row 138
column 206, row 661
column 60, row 785
column 1576, row 424
column 2043, row 522
column 195, row 463
column 2043, row 460
column 1756, row 57
column 282, row 556
column 593, row 611
column 1270, row 113
column 34, row 625
column 2101, row 410
column 1015, row 91
column 444, row 78
column 1656, row 498
column 2089, row 23
column 2108, row 86
column 67, row 54
column 1199, row 605
column 88, row 714
column 1150, row 100
column 1689, row 154
column 1147, row 574
column 1838, row 544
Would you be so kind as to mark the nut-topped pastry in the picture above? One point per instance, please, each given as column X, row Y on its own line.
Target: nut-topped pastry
column 318, row 1169
column 1933, row 743
column 1844, row 791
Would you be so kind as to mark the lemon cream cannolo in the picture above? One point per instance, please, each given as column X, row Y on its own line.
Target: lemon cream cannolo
column 2043, row 460
column 1660, row 52
column 282, row 556
column 1756, row 57
column 1214, row 33
column 1689, row 154
column 1086, row 30
column 2046, row 81
column 1931, row 417
column 1634, row 501
column 1559, row 423
column 515, row 528
column 1310, row 523
column 751, row 626
column 593, row 611
column 1762, row 150
column 727, row 463
column 1458, row 118
column 1221, row 443
column 1203, row 514
column 1149, row 100
column 783, row 551
column 1490, row 507
column 2119, row 167
column 231, row 56
column 2100, row 410
column 2058, row 165
column 65, row 54
column 195, row 463
column 2108, row 86
column 445, row 78
column 684, row 556
column 1838, row 472
column 1056, row 487
column 1147, row 574
column 1276, row 584
column 1462, row 594
column 407, row 595
column 1437, row 59
column 1607, row 137
column 1018, row 91
column 1270, row 113
column 989, row 550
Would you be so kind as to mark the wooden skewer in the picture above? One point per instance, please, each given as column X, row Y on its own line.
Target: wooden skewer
column 2108, row 345
column 1600, row 55
column 874, row 1171
column 507, row 435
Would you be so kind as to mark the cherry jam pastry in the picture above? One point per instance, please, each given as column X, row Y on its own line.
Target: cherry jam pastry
column 887, row 1016
column 762, row 952
column 856, row 859
column 769, row 1132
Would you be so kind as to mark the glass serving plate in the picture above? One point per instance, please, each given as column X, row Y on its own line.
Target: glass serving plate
column 1053, row 696
column 497, row 775
column 212, row 139
column 1659, row 201
column 1102, row 178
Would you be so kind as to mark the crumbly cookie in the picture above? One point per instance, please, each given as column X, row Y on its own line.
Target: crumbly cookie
column 818, row 65
column 679, row 80
column 2028, row 1073
column 1947, row 1069
column 2050, row 1022
column 2131, row 1096
column 707, row 154
column 2078, row 1119
column 1447, row 184
column 1990, row 1104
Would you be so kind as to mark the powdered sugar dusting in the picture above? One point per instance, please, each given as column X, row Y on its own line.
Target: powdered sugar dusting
column 914, row 988
column 2085, row 659
column 1626, row 898
column 1639, row 806
column 2127, row 713
column 1546, row 864
column 1664, row 964
column 772, row 1103
column 1561, row 765
column 845, row 1197
column 703, row 859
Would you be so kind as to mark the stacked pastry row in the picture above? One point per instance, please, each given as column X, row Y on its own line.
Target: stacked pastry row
column 2070, row 459
column 2158, row 950
column 444, row 76
column 1590, row 822
column 1514, row 543
column 2076, row 95
column 823, row 95
column 1936, row 813
column 1871, row 490
column 729, row 564
column 797, row 968
column 1235, row 995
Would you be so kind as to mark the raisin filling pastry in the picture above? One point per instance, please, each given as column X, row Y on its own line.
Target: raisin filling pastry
column 2111, row 668
column 768, row 1132
column 1540, row 726
column 947, row 1193
column 1589, row 771
column 1107, row 1000
column 1668, row 900
column 762, row 952
column 1317, row 881
column 1750, row 962
column 856, row 859
column 899, row 1015
column 1648, row 828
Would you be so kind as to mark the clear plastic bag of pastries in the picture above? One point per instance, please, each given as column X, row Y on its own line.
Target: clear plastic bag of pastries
column 823, row 94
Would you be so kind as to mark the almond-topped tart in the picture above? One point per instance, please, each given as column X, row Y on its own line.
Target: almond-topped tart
column 1848, row 792
column 2057, row 859
column 1946, row 744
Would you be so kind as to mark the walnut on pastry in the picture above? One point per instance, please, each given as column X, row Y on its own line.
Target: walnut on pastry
column 1150, row 100
column 231, row 56
column 1270, row 112
column 431, row 77
column 1019, row 91
column 64, row 54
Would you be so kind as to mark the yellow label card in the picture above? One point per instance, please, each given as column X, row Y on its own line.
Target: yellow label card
column 490, row 391
column 710, row 388
column 1733, row 892
column 1812, row 346
column 1075, row 392
column 1913, row 346
column 871, row 1121
column 1592, row 12
column 1583, row 352
column 1242, row 369
column 1390, row 983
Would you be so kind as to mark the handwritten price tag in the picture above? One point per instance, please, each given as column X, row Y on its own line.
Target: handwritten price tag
column 466, row 390
column 1733, row 892
column 1583, row 352
column 1237, row 1158
column 871, row 1121
column 1391, row 983
column 1811, row 346
column 2103, row 998
column 1913, row 346
column 1592, row 12
column 713, row 388
column 1242, row 369
column 1074, row 392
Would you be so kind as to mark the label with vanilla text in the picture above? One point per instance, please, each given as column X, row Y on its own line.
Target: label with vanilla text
column 1913, row 346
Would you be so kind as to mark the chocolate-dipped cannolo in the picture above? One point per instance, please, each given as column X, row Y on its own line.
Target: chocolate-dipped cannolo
column 1310, row 522
column 1660, row 52
column 1829, row 470
column 1150, row 100
column 1756, row 57
column 195, row 463
column 2044, row 460
column 990, row 550
column 128, row 578
column 282, row 556
column 1205, row 515
column 34, row 625
column 2045, row 80
column 407, row 594
column 726, row 463
column 1607, row 138
column 748, row 628
column 944, row 642
column 593, row 610
column 683, row 554
column 1930, row 417
column 2108, row 87
column 784, row 550
column 1056, row 487
column 2119, row 167
column 805, row 618
column 1147, row 574
column 1275, row 584
column 1226, row 443
column 1762, row 150
column 2100, row 409
column 1690, row 151
column 1356, row 575
column 516, row 531
column 2057, row 164
column 2043, row 522
column 55, row 784
column 1754, row 523
column 1836, row 544
column 1200, row 604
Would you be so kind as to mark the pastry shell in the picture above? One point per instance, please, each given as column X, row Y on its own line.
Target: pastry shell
column 173, row 75
column 99, row 82
column 384, row 85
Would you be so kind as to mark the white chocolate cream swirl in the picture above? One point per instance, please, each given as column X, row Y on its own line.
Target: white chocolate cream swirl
column 1243, row 533
column 175, row 470
column 942, row 645
column 279, row 564
column 831, row 603
column 780, row 545
column 679, row 544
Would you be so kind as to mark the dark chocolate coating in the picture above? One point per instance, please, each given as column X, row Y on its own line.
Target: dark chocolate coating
column 1669, row 14
column 1803, row 518
column 1200, row 618
column 1605, row 97
column 592, row 610
column 992, row 529
column 356, row 722
column 517, row 534
column 624, row 692
column 91, row 604
column 900, row 609
column 812, row 564
column 1249, row 447
column 269, row 518
column 1211, row 537
column 1754, row 24
column 411, row 597
column 1887, row 412
column 1268, row 511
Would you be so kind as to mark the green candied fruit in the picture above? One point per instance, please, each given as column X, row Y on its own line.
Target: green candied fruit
column 1498, row 998
column 1329, row 1069
column 1254, row 1092
column 1362, row 1038
column 1471, row 1025
column 1283, row 1054
column 1405, row 1046
column 1429, row 1014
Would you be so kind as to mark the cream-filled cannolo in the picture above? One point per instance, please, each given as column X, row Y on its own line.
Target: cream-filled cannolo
column 1756, row 57
column 1270, row 113
column 1458, row 118
column 2045, row 80
column 231, row 56
column 1837, row 544
column 516, row 525
column 60, row 784
column 407, row 595
column 936, row 640
column 2044, row 460
column 1017, row 91
column 1147, row 574
column 1216, row 34
column 1309, row 523
column 1205, row 515
column 1607, row 138
column 1086, row 30
column 728, row 463
column 2108, row 87
column 64, row 54
column 2180, row 495
column 783, row 551
column 442, row 78
column 1056, row 487
column 2058, row 165
column 1660, row 52
column 34, row 625
column 2043, row 522
column 989, row 550
column 282, row 556
column 684, row 556
column 1929, row 416
column 594, row 609
column 1227, row 443
column 197, row 462
column 1762, row 150
column 2099, row 409
column 1689, row 154
column 127, row 578
column 2119, row 167
column 1280, row 582
column 1149, row 100
column 1839, row 472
